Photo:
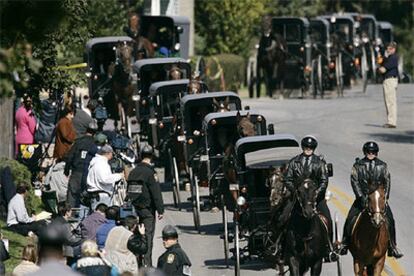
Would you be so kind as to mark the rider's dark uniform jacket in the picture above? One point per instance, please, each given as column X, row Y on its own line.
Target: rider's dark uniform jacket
column 76, row 156
column 150, row 197
column 316, row 170
column 365, row 180
column 174, row 262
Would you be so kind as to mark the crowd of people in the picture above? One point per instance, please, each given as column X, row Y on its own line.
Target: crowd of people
column 88, row 231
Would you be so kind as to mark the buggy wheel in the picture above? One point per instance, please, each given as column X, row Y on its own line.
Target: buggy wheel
column 226, row 232
column 236, row 250
column 314, row 82
column 195, row 200
column 176, row 184
column 338, row 74
column 364, row 70
column 320, row 77
column 373, row 64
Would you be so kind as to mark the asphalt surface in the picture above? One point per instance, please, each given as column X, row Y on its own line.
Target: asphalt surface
column 341, row 125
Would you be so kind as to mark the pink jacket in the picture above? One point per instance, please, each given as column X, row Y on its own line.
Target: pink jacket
column 25, row 126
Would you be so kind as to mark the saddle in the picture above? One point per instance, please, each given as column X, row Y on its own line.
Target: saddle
column 325, row 223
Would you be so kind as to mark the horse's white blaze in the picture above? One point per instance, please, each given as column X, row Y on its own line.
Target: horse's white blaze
column 377, row 196
column 306, row 185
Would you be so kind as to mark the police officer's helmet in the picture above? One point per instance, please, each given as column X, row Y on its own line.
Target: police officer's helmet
column 370, row 147
column 147, row 150
column 309, row 141
column 169, row 232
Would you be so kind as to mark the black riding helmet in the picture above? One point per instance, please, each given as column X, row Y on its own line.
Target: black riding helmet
column 169, row 232
column 147, row 150
column 309, row 141
column 370, row 147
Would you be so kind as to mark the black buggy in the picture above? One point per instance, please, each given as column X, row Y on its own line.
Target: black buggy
column 191, row 143
column 221, row 132
column 170, row 35
column 149, row 71
column 100, row 54
column 165, row 97
column 297, row 64
column 326, row 71
column 256, row 174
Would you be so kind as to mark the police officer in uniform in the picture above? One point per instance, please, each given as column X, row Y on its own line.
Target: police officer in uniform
column 75, row 162
column 174, row 261
column 149, row 202
column 370, row 169
column 309, row 165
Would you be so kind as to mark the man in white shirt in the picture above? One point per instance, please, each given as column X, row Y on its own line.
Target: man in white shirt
column 18, row 220
column 101, row 180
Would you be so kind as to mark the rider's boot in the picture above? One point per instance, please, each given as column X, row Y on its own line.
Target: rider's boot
column 343, row 247
column 393, row 251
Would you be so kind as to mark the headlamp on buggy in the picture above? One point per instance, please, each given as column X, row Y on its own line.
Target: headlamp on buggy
column 241, row 201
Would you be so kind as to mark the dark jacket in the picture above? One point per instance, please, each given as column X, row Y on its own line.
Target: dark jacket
column 93, row 266
column 365, row 181
column 174, row 262
column 47, row 121
column 315, row 171
column 77, row 154
column 89, row 226
column 91, row 154
column 391, row 64
column 150, row 197
column 137, row 244
column 72, row 242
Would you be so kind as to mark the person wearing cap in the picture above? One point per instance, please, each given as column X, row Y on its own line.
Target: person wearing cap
column 149, row 202
column 100, row 179
column 83, row 117
column 308, row 165
column 389, row 69
column 75, row 161
column 25, row 123
column 174, row 261
column 365, row 171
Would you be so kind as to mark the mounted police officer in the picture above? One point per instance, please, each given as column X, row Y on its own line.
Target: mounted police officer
column 309, row 165
column 174, row 261
column 368, row 170
column 149, row 201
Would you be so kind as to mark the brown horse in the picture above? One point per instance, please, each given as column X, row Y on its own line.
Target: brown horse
column 369, row 242
column 222, row 106
column 122, row 87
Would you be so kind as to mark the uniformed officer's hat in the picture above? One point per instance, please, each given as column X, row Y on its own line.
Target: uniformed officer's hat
column 147, row 150
column 309, row 141
column 370, row 147
column 169, row 232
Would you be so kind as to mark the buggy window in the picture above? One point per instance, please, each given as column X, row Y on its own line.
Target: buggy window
column 168, row 102
column 318, row 34
column 159, row 30
column 343, row 31
column 102, row 57
column 292, row 33
column 158, row 72
column 368, row 29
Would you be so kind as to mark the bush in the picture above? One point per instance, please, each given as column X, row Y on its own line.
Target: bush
column 224, row 72
column 21, row 174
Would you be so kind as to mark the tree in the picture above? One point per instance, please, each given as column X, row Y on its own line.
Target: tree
column 227, row 26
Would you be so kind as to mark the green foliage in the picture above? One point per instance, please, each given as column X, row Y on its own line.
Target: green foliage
column 227, row 26
column 22, row 175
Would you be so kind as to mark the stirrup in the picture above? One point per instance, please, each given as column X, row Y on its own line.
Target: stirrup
column 394, row 252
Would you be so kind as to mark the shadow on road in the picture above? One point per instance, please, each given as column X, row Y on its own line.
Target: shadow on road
column 406, row 137
column 214, row 229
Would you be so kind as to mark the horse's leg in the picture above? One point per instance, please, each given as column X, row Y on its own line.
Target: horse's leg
column 379, row 266
column 294, row 266
column 316, row 269
column 358, row 268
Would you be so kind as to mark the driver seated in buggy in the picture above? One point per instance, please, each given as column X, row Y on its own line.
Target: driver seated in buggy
column 307, row 165
column 365, row 171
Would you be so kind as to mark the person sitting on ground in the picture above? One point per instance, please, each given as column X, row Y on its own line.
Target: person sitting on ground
column 74, row 163
column 100, row 179
column 91, row 223
column 72, row 241
column 112, row 214
column 116, row 249
column 65, row 134
column 91, row 263
column 28, row 263
column 18, row 220
column 174, row 261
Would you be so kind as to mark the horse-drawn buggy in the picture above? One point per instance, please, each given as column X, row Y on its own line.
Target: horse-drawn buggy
column 165, row 97
column 294, row 67
column 326, row 71
column 190, row 150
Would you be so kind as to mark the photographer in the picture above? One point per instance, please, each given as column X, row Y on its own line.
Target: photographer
column 116, row 245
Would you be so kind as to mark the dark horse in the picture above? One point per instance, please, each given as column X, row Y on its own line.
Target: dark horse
column 271, row 57
column 122, row 85
column 369, row 242
column 305, row 239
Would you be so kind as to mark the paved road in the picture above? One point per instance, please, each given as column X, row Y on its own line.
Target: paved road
column 341, row 126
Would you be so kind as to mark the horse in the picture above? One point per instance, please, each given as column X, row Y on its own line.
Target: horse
column 305, row 239
column 122, row 87
column 369, row 242
column 221, row 106
column 271, row 58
